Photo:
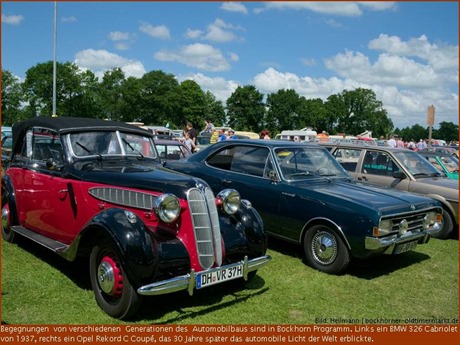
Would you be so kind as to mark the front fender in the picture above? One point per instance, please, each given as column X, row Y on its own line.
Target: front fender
column 138, row 250
column 9, row 196
column 243, row 233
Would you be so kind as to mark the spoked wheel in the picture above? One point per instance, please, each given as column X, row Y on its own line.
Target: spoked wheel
column 325, row 250
column 113, row 292
column 7, row 234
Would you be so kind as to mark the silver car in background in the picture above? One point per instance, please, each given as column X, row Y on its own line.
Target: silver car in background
column 402, row 169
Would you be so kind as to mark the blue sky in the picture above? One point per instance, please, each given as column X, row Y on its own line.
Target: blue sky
column 406, row 52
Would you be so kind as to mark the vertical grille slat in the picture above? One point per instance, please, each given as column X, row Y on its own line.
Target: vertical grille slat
column 206, row 227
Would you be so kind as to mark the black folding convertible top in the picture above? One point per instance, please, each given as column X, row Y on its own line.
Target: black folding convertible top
column 73, row 124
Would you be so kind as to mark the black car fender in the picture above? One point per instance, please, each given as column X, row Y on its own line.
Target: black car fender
column 9, row 196
column 327, row 222
column 243, row 232
column 137, row 249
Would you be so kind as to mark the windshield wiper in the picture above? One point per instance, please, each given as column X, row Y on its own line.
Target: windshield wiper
column 132, row 148
column 88, row 150
column 422, row 174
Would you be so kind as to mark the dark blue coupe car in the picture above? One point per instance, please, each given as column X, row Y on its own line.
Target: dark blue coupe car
column 305, row 196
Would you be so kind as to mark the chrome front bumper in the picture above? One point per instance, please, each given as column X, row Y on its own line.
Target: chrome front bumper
column 188, row 281
column 389, row 242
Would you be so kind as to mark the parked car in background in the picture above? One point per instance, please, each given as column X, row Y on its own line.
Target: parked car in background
column 6, row 131
column 443, row 149
column 304, row 196
column 95, row 188
column 7, row 144
column 401, row 169
column 445, row 162
column 171, row 149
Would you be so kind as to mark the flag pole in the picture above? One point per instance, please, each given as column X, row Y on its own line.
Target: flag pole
column 54, row 60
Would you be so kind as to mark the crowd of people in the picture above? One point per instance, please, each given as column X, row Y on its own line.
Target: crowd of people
column 420, row 145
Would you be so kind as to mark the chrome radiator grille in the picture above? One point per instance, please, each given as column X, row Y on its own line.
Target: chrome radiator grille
column 414, row 220
column 124, row 197
column 206, row 226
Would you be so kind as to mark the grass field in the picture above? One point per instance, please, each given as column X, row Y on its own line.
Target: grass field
column 39, row 287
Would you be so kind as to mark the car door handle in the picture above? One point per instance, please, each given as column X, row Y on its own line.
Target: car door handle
column 361, row 178
column 226, row 182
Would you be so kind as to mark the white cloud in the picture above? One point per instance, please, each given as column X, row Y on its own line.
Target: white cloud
column 404, row 106
column 122, row 40
column 218, row 31
column 99, row 61
column 193, row 34
column 160, row 31
column 379, row 5
column 333, row 8
column 13, row 20
column 234, row 7
column 118, row 36
column 439, row 56
column 234, row 57
column 338, row 8
column 222, row 89
column 308, row 62
column 415, row 64
column 200, row 56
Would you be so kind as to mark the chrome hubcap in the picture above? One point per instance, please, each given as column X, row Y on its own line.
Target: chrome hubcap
column 324, row 247
column 106, row 276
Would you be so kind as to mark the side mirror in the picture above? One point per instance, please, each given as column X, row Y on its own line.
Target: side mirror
column 272, row 175
column 399, row 175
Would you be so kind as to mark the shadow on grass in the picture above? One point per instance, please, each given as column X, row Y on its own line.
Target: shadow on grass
column 155, row 307
column 207, row 301
column 365, row 269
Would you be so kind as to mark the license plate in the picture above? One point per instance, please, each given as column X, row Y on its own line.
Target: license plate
column 405, row 247
column 205, row 279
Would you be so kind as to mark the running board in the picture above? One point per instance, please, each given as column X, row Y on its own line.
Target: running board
column 55, row 246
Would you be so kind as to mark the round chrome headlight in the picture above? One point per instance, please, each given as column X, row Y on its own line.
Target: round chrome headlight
column 167, row 207
column 385, row 227
column 230, row 200
column 403, row 227
column 429, row 220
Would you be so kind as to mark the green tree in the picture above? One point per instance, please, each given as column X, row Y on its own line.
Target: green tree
column 76, row 91
column 215, row 110
column 245, row 109
column 359, row 110
column 158, row 96
column 111, row 94
column 447, row 131
column 131, row 103
column 192, row 104
column 313, row 114
column 11, row 99
column 283, row 110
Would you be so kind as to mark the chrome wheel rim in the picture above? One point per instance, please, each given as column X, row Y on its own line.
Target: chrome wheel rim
column 109, row 277
column 324, row 247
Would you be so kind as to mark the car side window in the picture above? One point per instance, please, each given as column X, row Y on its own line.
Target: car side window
column 42, row 145
column 250, row 160
column 378, row 163
column 435, row 163
column 247, row 160
column 348, row 158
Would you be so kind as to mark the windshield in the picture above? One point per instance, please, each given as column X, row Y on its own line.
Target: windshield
column 111, row 143
column 416, row 164
column 297, row 163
